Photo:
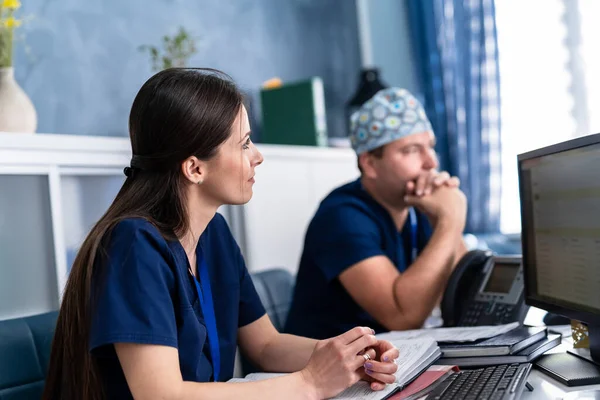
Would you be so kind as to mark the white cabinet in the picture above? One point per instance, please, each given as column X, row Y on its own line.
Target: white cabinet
column 53, row 188
column 289, row 186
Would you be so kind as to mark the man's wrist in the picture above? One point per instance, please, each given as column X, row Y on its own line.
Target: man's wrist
column 446, row 225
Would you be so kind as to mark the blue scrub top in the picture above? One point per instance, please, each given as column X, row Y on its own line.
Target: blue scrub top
column 349, row 227
column 144, row 293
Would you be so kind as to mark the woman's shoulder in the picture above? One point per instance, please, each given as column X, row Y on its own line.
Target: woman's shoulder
column 136, row 231
column 135, row 226
column 218, row 227
column 218, row 238
column 218, row 222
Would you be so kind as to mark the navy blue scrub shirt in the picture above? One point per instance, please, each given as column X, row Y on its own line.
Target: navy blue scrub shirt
column 349, row 227
column 144, row 293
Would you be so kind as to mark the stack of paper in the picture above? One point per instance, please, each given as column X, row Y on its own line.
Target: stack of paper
column 451, row 335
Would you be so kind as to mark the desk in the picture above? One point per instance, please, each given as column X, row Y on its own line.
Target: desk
column 544, row 387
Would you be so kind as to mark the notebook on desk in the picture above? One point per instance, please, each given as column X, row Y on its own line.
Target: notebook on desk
column 526, row 355
column 569, row 370
column 416, row 356
column 508, row 343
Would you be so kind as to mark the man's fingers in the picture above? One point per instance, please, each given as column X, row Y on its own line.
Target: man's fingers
column 441, row 178
column 421, row 183
column 410, row 187
column 430, row 185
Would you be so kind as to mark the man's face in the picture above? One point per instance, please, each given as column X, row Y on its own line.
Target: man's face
column 402, row 161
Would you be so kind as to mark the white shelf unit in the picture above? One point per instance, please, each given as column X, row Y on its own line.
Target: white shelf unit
column 54, row 187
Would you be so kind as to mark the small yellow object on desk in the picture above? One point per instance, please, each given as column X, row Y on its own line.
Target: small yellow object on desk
column 580, row 334
column 272, row 83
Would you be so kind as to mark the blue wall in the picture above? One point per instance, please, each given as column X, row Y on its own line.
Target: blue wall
column 83, row 68
column 392, row 44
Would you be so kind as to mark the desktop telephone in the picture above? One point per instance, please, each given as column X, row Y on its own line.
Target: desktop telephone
column 485, row 289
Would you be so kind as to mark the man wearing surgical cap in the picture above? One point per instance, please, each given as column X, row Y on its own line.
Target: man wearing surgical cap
column 379, row 250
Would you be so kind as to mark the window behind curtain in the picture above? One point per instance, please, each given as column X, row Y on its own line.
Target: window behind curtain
column 550, row 82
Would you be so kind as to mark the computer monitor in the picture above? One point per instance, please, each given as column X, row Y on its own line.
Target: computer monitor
column 559, row 188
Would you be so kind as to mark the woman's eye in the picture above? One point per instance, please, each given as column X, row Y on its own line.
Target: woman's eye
column 246, row 144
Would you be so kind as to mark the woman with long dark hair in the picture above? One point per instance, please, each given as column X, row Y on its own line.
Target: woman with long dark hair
column 159, row 296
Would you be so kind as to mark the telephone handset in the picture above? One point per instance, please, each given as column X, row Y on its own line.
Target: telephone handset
column 485, row 289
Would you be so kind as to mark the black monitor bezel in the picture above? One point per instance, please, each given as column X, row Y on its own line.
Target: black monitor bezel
column 530, row 298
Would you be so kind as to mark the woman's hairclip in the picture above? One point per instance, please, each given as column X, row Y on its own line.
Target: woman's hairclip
column 144, row 163
column 129, row 172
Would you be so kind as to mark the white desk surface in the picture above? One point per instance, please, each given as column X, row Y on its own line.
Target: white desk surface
column 545, row 387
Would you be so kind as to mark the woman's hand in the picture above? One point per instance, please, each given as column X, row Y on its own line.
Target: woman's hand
column 335, row 363
column 430, row 180
column 381, row 368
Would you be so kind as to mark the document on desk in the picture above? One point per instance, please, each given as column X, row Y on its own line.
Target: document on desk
column 415, row 357
column 451, row 335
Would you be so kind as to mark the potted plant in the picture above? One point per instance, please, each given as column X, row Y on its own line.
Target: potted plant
column 176, row 51
column 17, row 113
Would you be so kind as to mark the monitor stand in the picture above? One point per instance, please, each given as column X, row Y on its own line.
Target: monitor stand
column 576, row 367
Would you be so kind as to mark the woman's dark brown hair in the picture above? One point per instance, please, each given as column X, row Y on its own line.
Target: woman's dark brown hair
column 176, row 114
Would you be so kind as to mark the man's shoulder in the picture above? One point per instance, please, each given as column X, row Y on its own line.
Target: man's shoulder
column 350, row 196
column 345, row 209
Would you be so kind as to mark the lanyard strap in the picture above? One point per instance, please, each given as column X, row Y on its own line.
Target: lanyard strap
column 413, row 234
column 206, row 303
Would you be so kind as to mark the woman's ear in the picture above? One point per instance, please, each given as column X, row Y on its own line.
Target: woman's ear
column 366, row 161
column 194, row 170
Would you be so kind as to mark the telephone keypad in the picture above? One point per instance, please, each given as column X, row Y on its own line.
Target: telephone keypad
column 479, row 313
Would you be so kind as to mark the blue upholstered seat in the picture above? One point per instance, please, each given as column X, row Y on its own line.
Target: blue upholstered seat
column 24, row 354
column 274, row 287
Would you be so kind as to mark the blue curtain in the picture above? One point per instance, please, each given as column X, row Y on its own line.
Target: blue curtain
column 456, row 52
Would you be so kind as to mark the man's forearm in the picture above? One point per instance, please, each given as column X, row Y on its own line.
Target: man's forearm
column 417, row 291
column 287, row 353
column 461, row 250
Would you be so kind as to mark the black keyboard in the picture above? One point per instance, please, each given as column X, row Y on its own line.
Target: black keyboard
column 500, row 382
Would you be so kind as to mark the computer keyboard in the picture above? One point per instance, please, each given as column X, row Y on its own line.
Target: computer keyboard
column 500, row 382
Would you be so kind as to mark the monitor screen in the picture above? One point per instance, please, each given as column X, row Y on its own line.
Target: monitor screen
column 501, row 278
column 560, row 206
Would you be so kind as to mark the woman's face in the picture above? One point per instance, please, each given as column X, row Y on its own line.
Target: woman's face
column 231, row 172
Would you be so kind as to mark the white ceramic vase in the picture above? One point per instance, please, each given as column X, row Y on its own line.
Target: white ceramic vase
column 17, row 113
